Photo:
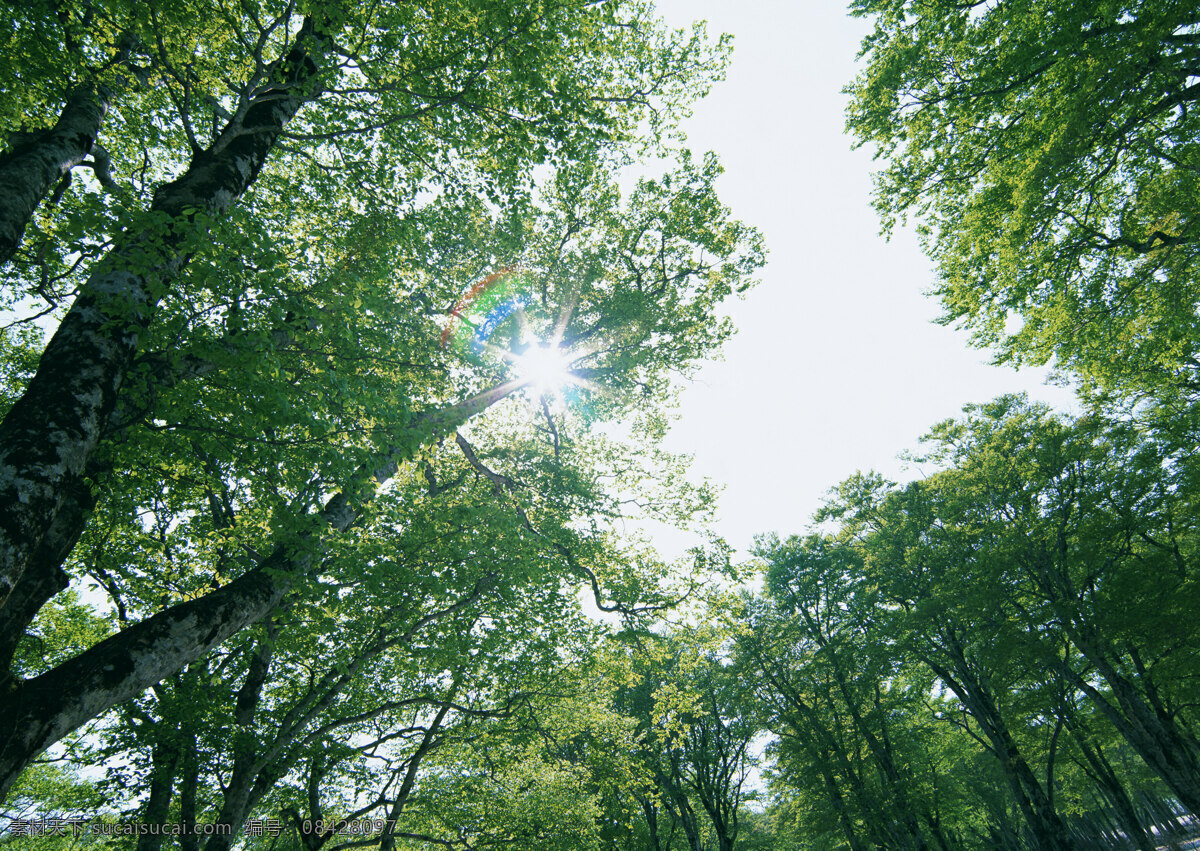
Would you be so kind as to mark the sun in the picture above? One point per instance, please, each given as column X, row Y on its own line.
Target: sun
column 544, row 368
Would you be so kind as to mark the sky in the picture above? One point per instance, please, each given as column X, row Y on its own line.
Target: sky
column 837, row 365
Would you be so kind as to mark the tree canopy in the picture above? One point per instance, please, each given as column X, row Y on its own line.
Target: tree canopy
column 249, row 391
column 338, row 344
column 1048, row 151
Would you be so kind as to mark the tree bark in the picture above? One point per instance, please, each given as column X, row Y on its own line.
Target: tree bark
column 651, row 812
column 1138, row 714
column 845, row 821
column 1114, row 791
column 164, row 759
column 238, row 794
column 46, row 577
column 188, row 782
column 39, row 712
column 878, row 745
column 809, row 726
column 51, row 433
column 29, row 171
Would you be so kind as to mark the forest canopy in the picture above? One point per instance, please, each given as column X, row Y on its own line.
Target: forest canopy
column 338, row 347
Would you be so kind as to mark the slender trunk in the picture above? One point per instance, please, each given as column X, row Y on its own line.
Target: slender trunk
column 1138, row 715
column 677, row 804
column 651, row 811
column 29, row 171
column 944, row 843
column 188, row 783
column 387, row 842
column 258, row 766
column 822, row 738
column 237, row 797
column 164, row 759
column 51, row 432
column 818, row 744
column 881, row 752
column 310, row 838
column 839, row 805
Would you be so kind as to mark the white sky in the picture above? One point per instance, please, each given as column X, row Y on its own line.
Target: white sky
column 837, row 365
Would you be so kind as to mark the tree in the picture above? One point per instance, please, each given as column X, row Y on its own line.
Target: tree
column 947, row 615
column 694, row 731
column 1050, row 152
column 1054, row 541
column 555, row 773
column 837, row 692
column 1029, row 596
column 251, row 367
column 1092, row 527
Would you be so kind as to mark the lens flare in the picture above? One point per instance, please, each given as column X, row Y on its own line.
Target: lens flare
column 544, row 368
column 538, row 357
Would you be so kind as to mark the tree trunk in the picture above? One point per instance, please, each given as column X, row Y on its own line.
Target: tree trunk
column 1048, row 830
column 238, row 793
column 164, row 758
column 387, row 841
column 881, row 752
column 31, row 168
column 188, row 782
column 51, row 433
column 651, row 812
column 45, row 576
column 1152, row 733
column 839, row 805
column 42, row 710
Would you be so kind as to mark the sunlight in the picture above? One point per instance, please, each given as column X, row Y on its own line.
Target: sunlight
column 544, row 368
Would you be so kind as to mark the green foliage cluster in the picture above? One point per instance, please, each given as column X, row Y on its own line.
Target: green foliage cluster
column 976, row 659
column 1048, row 151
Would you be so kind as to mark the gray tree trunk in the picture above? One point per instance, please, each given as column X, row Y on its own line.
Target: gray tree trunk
column 38, row 712
column 51, row 433
column 29, row 171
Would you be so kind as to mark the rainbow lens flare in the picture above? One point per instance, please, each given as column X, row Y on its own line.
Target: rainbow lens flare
column 543, row 365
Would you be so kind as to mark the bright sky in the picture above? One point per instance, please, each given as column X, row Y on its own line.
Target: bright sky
column 837, row 365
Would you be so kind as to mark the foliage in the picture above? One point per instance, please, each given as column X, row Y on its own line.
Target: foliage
column 330, row 545
column 1050, row 152
column 1028, row 598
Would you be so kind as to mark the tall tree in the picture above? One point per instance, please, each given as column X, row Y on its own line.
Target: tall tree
column 695, row 730
column 275, row 361
column 839, row 687
column 1090, row 528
